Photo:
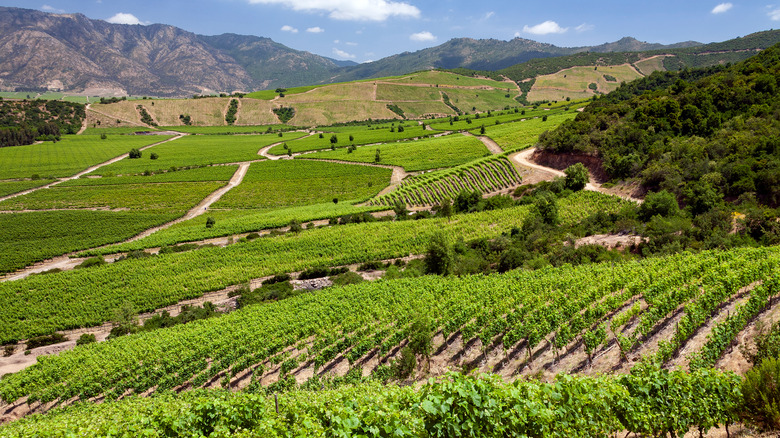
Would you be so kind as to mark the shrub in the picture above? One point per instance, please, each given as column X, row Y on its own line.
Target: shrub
column 317, row 272
column 660, row 203
column 547, row 206
column 86, row 338
column 92, row 261
column 439, row 257
column 295, row 226
column 103, row 136
column 761, row 395
column 153, row 156
column 346, row 278
column 421, row 336
column 404, row 366
column 134, row 153
column 210, row 221
column 8, row 350
column 40, row 341
column 576, row 177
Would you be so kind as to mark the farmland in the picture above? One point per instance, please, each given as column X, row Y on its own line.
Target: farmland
column 380, row 238
column 435, row 153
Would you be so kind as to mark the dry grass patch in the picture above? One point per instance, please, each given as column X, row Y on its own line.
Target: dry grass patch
column 326, row 113
column 256, row 112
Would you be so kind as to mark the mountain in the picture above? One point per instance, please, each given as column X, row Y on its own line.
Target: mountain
column 487, row 54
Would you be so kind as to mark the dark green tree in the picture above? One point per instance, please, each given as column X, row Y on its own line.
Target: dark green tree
column 576, row 177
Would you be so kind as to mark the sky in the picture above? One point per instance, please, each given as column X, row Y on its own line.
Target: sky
column 367, row 30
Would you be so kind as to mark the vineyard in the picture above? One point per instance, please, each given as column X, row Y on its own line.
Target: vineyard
column 358, row 135
column 487, row 175
column 88, row 297
column 413, row 156
column 495, row 322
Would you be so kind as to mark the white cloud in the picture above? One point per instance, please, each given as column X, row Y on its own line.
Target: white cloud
column 489, row 14
column 721, row 8
column 47, row 8
column 545, row 28
column 584, row 27
column 350, row 43
column 342, row 54
column 422, row 36
column 774, row 15
column 358, row 10
column 315, row 29
column 123, row 18
column 290, row 29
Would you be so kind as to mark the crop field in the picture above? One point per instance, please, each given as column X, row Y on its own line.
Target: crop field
column 329, row 112
column 360, row 135
column 574, row 82
column 424, row 109
column 68, row 156
column 198, row 150
column 210, row 173
column 230, row 222
column 476, row 121
column 521, row 134
column 360, row 91
column 117, row 130
column 413, row 156
column 401, row 93
column 164, row 197
column 11, row 187
column 451, row 79
column 649, row 65
column 255, row 112
column 488, row 175
column 89, row 297
column 480, row 100
column 166, row 112
column 285, row 183
column 26, row 238
column 271, row 94
column 584, row 308
column 226, row 130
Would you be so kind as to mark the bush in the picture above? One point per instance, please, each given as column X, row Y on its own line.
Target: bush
column 421, row 336
column 317, row 272
column 439, row 257
column 8, row 350
column 134, row 153
column 576, row 177
column 40, row 341
column 153, row 156
column 761, row 395
column 92, row 261
column 210, row 221
column 86, row 338
column 346, row 278
column 295, row 226
column 660, row 203
column 547, row 207
column 404, row 366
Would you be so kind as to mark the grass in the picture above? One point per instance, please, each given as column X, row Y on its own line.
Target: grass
column 26, row 238
column 271, row 94
column 649, row 65
column 197, row 151
column 203, row 112
column 405, row 93
column 413, row 156
column 419, row 110
column 573, row 82
column 361, row 135
column 117, row 130
column 480, row 100
column 11, row 187
column 68, row 156
column 330, row 112
column 164, row 197
column 521, row 134
column 284, row 183
column 445, row 78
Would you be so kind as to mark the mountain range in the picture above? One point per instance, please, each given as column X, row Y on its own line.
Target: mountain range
column 70, row 52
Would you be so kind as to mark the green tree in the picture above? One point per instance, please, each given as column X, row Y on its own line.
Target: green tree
column 134, row 153
column 547, row 206
column 444, row 209
column 210, row 222
column 334, row 139
column 576, row 177
column 661, row 203
column 438, row 257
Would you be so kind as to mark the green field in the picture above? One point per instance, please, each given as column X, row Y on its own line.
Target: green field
column 361, row 135
column 26, row 238
column 413, row 156
column 162, row 197
column 401, row 93
column 521, row 134
column 225, row 130
column 480, row 100
column 229, row 222
column 271, row 94
column 89, row 297
column 445, row 78
column 286, row 183
column 210, row 173
column 199, row 150
column 118, row 130
column 11, row 187
column 68, row 156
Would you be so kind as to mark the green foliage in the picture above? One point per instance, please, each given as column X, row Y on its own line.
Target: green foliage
column 210, row 221
column 396, row 109
column 576, row 177
column 86, row 338
column 134, row 153
column 761, row 395
column 230, row 114
column 41, row 341
column 22, row 122
column 660, row 203
column 284, row 113
column 438, row 258
column 547, row 207
column 90, row 262
column 405, row 364
column 146, row 118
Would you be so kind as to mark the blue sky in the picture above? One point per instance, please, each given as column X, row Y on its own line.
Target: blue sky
column 363, row 30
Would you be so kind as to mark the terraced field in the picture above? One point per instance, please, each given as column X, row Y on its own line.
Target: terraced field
column 488, row 175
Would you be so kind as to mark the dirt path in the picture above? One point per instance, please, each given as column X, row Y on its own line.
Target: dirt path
column 264, row 151
column 86, row 171
column 203, row 206
column 523, row 159
column 395, row 179
column 84, row 123
column 492, row 146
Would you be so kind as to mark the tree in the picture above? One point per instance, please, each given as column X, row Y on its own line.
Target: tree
column 134, row 153
column 439, row 257
column 467, row 201
column 444, row 209
column 153, row 156
column 334, row 139
column 210, row 222
column 351, row 137
column 482, row 129
column 661, row 203
column 400, row 210
column 576, row 177
column 295, row 226
column 377, row 158
column 547, row 206
column 335, row 200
